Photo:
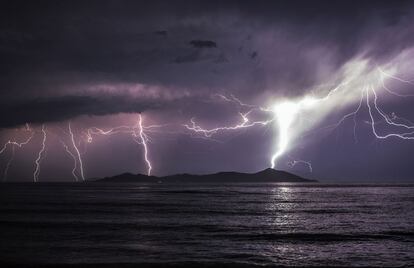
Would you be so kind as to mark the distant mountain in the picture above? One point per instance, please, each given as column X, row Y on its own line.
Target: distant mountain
column 267, row 175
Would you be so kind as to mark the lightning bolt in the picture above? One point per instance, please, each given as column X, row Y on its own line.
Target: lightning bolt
column 352, row 115
column 97, row 131
column 236, row 101
column 210, row 132
column 285, row 113
column 138, row 132
column 384, row 74
column 308, row 164
column 143, row 140
column 6, row 170
column 245, row 120
column 72, row 138
column 13, row 145
column 40, row 156
column 373, row 107
column 404, row 135
column 74, row 160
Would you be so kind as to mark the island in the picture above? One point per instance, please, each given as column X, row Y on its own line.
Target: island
column 268, row 175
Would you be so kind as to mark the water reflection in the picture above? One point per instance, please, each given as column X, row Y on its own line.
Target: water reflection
column 255, row 224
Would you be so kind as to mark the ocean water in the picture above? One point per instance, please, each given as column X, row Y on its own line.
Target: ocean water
column 253, row 224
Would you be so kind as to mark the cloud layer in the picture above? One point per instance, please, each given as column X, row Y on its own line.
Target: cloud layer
column 67, row 60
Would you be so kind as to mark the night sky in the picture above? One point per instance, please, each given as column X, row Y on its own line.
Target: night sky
column 105, row 64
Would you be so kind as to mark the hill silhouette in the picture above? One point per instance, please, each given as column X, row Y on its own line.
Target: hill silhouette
column 267, row 175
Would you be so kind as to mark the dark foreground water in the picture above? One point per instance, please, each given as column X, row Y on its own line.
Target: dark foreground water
column 238, row 224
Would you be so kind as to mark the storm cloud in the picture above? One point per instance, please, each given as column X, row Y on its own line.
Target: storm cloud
column 203, row 43
column 67, row 107
column 61, row 60
column 53, row 49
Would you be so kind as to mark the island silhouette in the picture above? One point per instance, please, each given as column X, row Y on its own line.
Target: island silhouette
column 267, row 175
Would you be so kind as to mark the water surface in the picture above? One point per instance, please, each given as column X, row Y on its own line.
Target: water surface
column 255, row 224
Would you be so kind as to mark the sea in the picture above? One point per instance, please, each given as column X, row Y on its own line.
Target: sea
column 309, row 224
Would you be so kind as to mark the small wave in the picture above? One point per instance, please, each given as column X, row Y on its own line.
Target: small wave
column 309, row 237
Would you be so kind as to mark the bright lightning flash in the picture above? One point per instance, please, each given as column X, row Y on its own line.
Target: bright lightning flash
column 293, row 163
column 137, row 131
column 74, row 160
column 144, row 141
column 361, row 83
column 40, row 156
column 285, row 114
column 72, row 138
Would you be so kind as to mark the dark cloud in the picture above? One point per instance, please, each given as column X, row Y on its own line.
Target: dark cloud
column 253, row 54
column 66, row 41
column 203, row 44
column 51, row 48
column 64, row 59
column 161, row 33
column 202, row 55
column 57, row 109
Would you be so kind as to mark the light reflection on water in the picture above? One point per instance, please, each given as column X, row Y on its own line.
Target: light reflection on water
column 238, row 223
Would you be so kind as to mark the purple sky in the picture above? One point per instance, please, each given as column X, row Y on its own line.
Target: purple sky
column 101, row 63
